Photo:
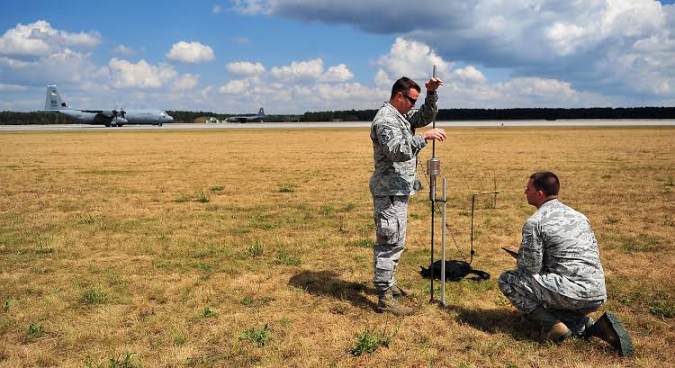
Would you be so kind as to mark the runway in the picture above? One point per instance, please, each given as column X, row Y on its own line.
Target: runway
column 345, row 124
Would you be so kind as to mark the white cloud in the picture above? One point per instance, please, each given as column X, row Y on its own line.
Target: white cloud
column 537, row 87
column 251, row 6
column 576, row 41
column 240, row 40
column 64, row 66
column 123, row 50
column 140, row 75
column 337, row 73
column 235, row 87
column 412, row 59
column 12, row 88
column 469, row 74
column 217, row 9
column 382, row 79
column 39, row 39
column 245, row 68
column 185, row 82
column 190, row 52
column 299, row 70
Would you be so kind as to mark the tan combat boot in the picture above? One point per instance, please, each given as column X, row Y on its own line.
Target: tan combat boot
column 387, row 303
column 551, row 327
column 399, row 292
column 558, row 333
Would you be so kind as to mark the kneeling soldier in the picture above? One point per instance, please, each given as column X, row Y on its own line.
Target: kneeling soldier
column 559, row 279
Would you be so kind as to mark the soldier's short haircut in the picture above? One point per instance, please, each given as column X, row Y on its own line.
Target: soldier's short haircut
column 546, row 181
column 403, row 84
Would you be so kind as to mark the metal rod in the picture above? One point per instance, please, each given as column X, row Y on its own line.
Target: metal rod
column 494, row 179
column 473, row 205
column 432, row 197
column 433, row 121
column 431, row 267
column 443, row 220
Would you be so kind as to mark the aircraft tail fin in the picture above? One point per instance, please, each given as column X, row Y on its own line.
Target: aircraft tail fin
column 53, row 101
column 261, row 112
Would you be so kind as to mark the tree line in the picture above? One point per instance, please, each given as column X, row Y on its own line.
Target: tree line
column 511, row 114
column 43, row 117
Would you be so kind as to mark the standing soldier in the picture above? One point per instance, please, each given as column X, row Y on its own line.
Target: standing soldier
column 395, row 150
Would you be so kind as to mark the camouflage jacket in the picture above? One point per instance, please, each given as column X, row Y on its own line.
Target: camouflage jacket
column 395, row 147
column 559, row 249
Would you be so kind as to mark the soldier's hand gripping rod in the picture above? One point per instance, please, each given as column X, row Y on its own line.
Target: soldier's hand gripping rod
column 434, row 169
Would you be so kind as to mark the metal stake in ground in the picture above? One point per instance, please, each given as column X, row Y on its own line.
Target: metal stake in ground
column 444, row 199
column 434, row 169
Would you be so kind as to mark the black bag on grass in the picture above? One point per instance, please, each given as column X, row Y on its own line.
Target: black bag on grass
column 454, row 271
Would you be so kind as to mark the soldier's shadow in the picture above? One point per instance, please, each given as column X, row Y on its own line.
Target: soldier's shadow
column 328, row 283
column 495, row 321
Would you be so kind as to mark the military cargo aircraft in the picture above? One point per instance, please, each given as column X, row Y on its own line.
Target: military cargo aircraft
column 107, row 117
column 248, row 118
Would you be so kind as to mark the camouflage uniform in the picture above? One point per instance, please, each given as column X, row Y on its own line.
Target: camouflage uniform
column 558, row 263
column 395, row 149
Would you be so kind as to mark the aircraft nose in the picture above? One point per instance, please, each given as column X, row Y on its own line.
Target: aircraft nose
column 169, row 117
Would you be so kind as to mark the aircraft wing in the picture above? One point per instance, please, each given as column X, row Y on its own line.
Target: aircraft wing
column 108, row 117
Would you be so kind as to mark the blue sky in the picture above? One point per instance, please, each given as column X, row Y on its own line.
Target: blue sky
column 293, row 56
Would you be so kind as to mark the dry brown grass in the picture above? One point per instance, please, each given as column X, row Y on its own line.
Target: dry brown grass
column 170, row 245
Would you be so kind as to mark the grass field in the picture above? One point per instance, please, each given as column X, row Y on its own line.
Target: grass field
column 241, row 248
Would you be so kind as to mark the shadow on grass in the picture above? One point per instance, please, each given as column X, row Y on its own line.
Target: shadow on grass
column 496, row 321
column 327, row 283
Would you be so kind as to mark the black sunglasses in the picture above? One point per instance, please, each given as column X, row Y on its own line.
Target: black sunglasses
column 410, row 99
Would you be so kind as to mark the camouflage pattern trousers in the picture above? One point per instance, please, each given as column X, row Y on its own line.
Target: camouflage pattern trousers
column 391, row 219
column 526, row 294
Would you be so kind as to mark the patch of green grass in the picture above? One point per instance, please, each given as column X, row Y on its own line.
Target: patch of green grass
column 465, row 365
column 179, row 339
column 662, row 308
column 327, row 210
column 642, row 243
column 87, row 219
column 125, row 360
column 250, row 301
column 612, row 220
column 348, row 207
column 93, row 296
column 629, row 299
column 669, row 182
column 182, row 198
column 287, row 188
column 261, row 222
column 201, row 197
column 7, row 304
column 259, row 336
column 216, row 189
column 286, row 259
column 285, row 322
column 209, row 313
column 365, row 243
column 205, row 267
column 34, row 331
column 368, row 341
column 255, row 249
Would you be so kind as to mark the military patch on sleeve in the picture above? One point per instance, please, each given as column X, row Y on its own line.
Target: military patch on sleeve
column 385, row 136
